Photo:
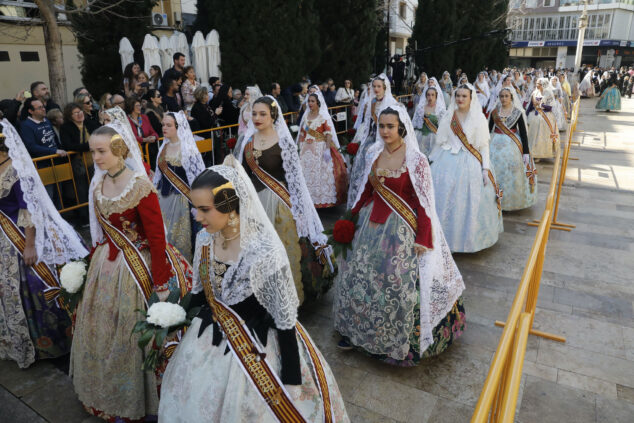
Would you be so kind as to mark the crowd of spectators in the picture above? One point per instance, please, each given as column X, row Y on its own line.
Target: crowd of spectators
column 48, row 129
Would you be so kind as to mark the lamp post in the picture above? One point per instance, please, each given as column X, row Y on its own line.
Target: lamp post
column 583, row 24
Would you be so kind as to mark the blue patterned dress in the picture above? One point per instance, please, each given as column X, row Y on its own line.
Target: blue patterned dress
column 610, row 99
column 507, row 162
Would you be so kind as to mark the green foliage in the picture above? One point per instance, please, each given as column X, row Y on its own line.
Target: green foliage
column 440, row 21
column 98, row 34
column 347, row 33
column 263, row 41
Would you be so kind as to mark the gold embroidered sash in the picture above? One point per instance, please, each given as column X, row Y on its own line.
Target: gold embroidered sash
column 500, row 124
column 45, row 273
column 429, row 124
column 315, row 134
column 131, row 256
column 459, row 132
column 396, row 203
column 264, row 177
column 180, row 185
column 245, row 349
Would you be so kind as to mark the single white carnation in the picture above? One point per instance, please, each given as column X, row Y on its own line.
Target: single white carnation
column 72, row 276
column 166, row 314
column 294, row 128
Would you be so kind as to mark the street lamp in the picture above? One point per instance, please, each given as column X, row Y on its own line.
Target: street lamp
column 583, row 24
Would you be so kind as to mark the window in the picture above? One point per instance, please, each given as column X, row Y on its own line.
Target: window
column 29, row 56
column 549, row 3
column 4, row 56
column 402, row 10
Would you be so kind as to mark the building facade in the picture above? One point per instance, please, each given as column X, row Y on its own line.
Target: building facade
column 544, row 32
column 402, row 16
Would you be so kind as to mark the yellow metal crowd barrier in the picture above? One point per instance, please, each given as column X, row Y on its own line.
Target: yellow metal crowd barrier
column 498, row 399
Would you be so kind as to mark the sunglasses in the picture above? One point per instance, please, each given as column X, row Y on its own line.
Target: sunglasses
column 87, row 102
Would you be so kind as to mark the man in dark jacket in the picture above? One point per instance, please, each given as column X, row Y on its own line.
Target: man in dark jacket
column 276, row 92
column 40, row 91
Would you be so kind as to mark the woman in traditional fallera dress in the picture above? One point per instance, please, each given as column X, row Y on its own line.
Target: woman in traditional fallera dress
column 482, row 90
column 130, row 261
column 380, row 97
column 250, row 95
column 467, row 195
column 426, row 117
column 398, row 294
column 558, row 108
column 269, row 155
column 33, row 240
column 245, row 284
column 543, row 134
column 610, row 98
column 510, row 154
column 324, row 168
column 177, row 165
column 446, row 85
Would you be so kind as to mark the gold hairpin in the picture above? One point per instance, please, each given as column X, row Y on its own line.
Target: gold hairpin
column 221, row 187
column 115, row 137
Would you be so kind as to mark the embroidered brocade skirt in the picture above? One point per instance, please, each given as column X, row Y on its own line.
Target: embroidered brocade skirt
column 325, row 174
column 178, row 223
column 610, row 100
column 204, row 383
column 539, row 138
column 377, row 298
column 105, row 359
column 510, row 173
column 30, row 328
column 467, row 208
column 310, row 280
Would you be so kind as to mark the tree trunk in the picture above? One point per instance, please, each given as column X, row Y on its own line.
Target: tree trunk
column 54, row 53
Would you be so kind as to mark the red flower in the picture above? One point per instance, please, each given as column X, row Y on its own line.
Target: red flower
column 231, row 142
column 352, row 131
column 343, row 231
column 410, row 104
column 352, row 148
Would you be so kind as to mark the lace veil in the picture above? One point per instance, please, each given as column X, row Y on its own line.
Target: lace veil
column 475, row 126
column 56, row 242
column 190, row 155
column 363, row 100
column 307, row 220
column 134, row 161
column 440, row 281
column 364, row 129
column 323, row 112
column 262, row 268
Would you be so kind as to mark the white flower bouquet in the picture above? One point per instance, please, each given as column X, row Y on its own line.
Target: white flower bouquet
column 160, row 319
column 72, row 278
column 294, row 128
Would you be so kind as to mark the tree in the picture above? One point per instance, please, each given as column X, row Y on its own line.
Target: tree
column 263, row 41
column 99, row 30
column 453, row 34
column 54, row 55
column 347, row 37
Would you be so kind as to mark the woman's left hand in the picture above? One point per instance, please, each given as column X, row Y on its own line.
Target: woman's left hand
column 419, row 249
column 30, row 255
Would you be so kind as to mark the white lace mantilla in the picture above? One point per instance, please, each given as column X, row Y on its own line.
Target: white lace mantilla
column 262, row 267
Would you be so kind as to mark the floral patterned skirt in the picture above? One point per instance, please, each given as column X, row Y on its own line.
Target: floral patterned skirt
column 105, row 359
column 312, row 279
column 178, row 223
column 30, row 328
column 610, row 100
column 205, row 383
column 539, row 138
column 377, row 298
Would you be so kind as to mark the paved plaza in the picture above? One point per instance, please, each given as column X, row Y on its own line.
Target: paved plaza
column 587, row 295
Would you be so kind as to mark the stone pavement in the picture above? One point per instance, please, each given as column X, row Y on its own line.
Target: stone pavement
column 587, row 295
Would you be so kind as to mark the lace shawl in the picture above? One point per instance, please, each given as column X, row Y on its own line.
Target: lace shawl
column 262, row 267
column 191, row 159
column 56, row 242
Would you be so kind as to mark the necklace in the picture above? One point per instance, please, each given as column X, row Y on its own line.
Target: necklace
column 5, row 160
column 226, row 240
column 116, row 174
column 394, row 151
